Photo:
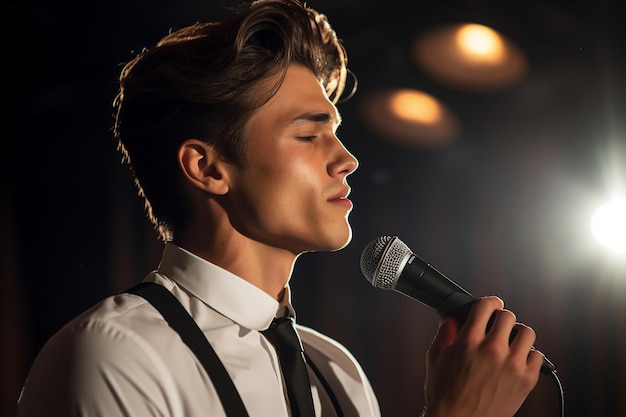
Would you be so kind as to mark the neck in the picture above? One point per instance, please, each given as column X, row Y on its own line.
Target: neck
column 268, row 268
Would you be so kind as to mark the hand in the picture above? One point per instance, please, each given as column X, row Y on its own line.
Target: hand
column 475, row 372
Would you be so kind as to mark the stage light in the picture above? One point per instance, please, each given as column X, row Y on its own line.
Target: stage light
column 480, row 44
column 416, row 106
column 608, row 225
column 470, row 57
column 409, row 117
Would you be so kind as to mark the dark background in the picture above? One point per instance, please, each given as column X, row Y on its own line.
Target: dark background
column 504, row 209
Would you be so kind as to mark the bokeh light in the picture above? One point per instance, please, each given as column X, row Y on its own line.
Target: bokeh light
column 409, row 117
column 470, row 57
column 480, row 43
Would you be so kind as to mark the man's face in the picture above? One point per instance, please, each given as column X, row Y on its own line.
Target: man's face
column 291, row 192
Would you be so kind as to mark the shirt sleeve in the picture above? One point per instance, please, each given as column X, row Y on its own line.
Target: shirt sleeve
column 94, row 369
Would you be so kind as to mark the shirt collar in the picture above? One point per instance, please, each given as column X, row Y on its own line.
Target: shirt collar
column 223, row 291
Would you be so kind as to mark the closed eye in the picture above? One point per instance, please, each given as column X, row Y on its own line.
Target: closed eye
column 306, row 138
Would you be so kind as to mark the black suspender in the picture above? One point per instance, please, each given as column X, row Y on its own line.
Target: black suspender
column 180, row 320
column 326, row 385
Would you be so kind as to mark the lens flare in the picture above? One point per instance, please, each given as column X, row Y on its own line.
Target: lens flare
column 608, row 225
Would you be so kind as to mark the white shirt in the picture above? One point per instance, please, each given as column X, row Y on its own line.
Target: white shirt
column 121, row 358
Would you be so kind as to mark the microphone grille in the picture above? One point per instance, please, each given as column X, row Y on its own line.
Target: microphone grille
column 381, row 260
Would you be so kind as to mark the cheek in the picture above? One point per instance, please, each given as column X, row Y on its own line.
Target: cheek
column 302, row 180
column 285, row 179
column 292, row 192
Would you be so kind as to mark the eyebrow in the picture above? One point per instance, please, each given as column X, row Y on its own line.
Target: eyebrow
column 321, row 117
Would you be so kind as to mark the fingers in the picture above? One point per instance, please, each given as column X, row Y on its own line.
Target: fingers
column 522, row 347
column 480, row 315
column 504, row 322
column 523, row 338
column 535, row 361
column 495, row 329
column 487, row 368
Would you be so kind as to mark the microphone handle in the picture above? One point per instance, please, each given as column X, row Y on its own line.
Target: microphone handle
column 422, row 282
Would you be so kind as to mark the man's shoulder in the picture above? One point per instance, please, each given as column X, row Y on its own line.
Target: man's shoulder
column 341, row 371
column 122, row 309
column 120, row 345
column 119, row 317
column 325, row 345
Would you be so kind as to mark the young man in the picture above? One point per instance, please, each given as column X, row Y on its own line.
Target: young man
column 229, row 128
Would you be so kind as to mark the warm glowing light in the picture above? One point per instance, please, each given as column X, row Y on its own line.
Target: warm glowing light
column 470, row 57
column 415, row 106
column 480, row 43
column 409, row 117
column 608, row 225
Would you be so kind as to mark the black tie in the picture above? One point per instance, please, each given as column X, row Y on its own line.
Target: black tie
column 283, row 336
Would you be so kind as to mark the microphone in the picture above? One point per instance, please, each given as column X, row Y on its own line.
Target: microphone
column 388, row 263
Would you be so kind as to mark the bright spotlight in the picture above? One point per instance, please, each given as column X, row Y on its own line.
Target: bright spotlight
column 608, row 225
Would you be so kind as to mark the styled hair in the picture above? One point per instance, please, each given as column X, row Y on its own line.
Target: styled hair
column 204, row 82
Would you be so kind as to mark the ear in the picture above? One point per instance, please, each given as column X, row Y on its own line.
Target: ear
column 203, row 167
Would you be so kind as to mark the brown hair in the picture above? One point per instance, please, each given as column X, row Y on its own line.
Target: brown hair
column 203, row 82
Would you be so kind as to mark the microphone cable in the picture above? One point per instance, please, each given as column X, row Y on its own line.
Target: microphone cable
column 559, row 386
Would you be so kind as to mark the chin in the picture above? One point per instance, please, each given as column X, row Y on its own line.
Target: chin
column 329, row 242
column 340, row 244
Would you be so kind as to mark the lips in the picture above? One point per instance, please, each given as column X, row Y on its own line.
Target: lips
column 343, row 194
column 341, row 198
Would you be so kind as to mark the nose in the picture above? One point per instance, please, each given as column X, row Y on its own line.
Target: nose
column 343, row 163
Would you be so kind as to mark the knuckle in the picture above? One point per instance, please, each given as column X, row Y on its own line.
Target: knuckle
column 526, row 330
column 497, row 351
column 494, row 301
column 529, row 380
column 507, row 314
